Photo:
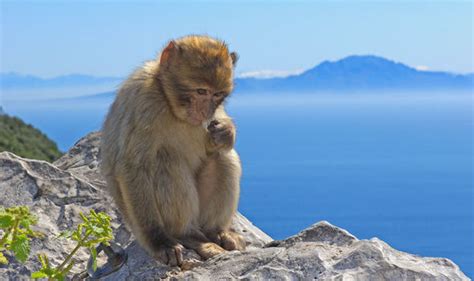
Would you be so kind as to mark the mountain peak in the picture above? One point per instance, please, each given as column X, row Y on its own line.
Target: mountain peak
column 365, row 58
column 358, row 64
column 361, row 73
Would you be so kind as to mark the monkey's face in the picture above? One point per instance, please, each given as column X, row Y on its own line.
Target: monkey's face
column 199, row 94
column 201, row 103
column 198, row 76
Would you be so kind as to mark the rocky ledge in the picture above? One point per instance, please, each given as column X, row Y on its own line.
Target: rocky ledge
column 57, row 192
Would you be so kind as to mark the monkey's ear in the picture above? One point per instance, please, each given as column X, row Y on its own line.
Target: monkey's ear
column 235, row 57
column 168, row 53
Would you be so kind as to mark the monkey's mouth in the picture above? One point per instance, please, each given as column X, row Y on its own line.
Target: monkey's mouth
column 198, row 118
column 198, row 121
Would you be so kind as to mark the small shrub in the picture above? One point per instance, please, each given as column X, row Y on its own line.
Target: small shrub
column 94, row 229
column 15, row 225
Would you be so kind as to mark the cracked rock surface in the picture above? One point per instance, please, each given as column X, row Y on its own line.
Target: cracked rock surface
column 57, row 192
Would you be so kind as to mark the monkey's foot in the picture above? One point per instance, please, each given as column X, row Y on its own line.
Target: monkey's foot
column 170, row 255
column 208, row 250
column 229, row 240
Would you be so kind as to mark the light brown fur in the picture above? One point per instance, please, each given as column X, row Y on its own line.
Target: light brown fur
column 176, row 182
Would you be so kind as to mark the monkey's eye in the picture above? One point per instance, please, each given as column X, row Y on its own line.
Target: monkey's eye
column 201, row 91
column 219, row 94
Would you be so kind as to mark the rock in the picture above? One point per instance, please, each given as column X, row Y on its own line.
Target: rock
column 83, row 159
column 56, row 197
column 57, row 192
column 311, row 254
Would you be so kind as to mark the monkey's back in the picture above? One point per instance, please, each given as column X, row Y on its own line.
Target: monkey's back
column 139, row 121
column 122, row 119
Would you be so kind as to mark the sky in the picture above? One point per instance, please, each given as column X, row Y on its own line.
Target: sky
column 111, row 38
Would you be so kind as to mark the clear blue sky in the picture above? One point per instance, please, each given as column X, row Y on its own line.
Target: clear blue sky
column 49, row 38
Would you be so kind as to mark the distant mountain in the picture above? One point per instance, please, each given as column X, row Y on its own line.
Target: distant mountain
column 24, row 140
column 353, row 73
column 14, row 80
column 359, row 73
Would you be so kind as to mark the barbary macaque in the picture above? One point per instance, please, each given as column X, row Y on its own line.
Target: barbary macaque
column 167, row 151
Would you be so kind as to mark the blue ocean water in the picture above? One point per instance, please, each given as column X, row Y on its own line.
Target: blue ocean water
column 393, row 166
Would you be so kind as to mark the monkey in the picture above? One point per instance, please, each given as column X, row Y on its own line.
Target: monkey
column 168, row 154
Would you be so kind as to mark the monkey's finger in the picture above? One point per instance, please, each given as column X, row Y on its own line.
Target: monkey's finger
column 218, row 239
column 223, row 130
column 179, row 254
column 171, row 257
column 221, row 126
column 220, row 129
column 212, row 126
column 222, row 136
column 175, row 255
column 228, row 242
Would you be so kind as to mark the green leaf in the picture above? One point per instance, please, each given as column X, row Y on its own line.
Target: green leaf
column 3, row 259
column 28, row 220
column 21, row 247
column 34, row 234
column 97, row 229
column 75, row 236
column 43, row 260
column 38, row 275
column 84, row 218
column 65, row 234
column 93, row 213
column 6, row 221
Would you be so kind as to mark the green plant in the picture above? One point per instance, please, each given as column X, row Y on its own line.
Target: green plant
column 15, row 224
column 26, row 141
column 94, row 229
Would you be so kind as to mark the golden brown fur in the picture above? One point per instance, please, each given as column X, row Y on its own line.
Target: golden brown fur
column 175, row 180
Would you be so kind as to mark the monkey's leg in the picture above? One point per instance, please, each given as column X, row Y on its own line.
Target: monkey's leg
column 219, row 188
column 160, row 198
column 114, row 189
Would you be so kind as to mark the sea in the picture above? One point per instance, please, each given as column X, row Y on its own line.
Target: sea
column 392, row 165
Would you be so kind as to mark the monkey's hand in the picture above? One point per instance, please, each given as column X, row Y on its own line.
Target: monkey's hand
column 221, row 135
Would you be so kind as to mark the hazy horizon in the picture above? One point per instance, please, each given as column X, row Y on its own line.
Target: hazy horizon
column 263, row 74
